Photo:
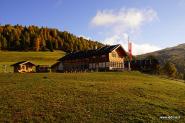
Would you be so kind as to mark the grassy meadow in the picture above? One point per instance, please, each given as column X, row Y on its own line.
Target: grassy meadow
column 90, row 97
column 46, row 58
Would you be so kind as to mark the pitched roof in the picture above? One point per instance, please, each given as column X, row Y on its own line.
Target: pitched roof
column 55, row 64
column 90, row 53
column 22, row 62
column 42, row 66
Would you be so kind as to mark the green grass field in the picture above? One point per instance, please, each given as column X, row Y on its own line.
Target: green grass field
column 46, row 58
column 90, row 97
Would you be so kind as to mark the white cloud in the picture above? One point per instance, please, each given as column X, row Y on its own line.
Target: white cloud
column 137, row 49
column 144, row 48
column 115, row 39
column 123, row 19
column 118, row 24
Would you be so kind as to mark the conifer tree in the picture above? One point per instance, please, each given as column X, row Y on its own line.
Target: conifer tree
column 50, row 45
column 170, row 69
column 37, row 43
column 3, row 42
column 0, row 45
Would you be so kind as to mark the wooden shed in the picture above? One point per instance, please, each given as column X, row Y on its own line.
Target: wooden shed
column 24, row 67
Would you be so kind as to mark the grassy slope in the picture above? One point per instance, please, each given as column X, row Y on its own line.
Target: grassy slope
column 89, row 97
column 48, row 58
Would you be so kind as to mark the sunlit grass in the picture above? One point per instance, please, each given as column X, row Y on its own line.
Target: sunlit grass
column 39, row 58
column 89, row 97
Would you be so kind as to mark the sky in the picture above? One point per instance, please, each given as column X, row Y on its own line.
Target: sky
column 149, row 24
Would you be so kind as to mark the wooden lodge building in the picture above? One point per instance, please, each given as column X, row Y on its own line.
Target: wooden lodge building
column 107, row 58
column 23, row 67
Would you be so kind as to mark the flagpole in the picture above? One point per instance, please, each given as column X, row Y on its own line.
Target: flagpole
column 129, row 55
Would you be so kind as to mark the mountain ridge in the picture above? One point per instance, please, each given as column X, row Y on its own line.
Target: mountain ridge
column 175, row 54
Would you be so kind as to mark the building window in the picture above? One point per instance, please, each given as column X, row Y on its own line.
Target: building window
column 113, row 64
column 100, row 65
column 103, row 64
column 113, row 54
column 107, row 64
column 81, row 67
column 103, row 56
column 94, row 65
column 90, row 66
column 120, row 65
column 110, row 64
column 23, row 67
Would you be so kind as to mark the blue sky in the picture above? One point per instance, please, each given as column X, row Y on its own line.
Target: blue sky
column 150, row 24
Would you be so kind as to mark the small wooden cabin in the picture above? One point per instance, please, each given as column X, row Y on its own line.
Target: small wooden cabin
column 107, row 58
column 24, row 67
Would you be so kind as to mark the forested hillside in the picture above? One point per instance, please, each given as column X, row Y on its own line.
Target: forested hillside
column 33, row 38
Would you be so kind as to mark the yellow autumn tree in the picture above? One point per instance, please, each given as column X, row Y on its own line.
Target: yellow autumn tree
column 37, row 43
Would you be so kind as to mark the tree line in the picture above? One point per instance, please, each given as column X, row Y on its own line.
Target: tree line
column 34, row 38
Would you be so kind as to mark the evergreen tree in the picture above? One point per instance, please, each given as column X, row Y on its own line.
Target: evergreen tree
column 23, row 42
column 3, row 42
column 43, row 45
column 170, row 69
column 60, row 43
column 0, row 40
column 0, row 45
column 17, row 41
column 37, row 43
column 49, row 45
column 27, row 39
